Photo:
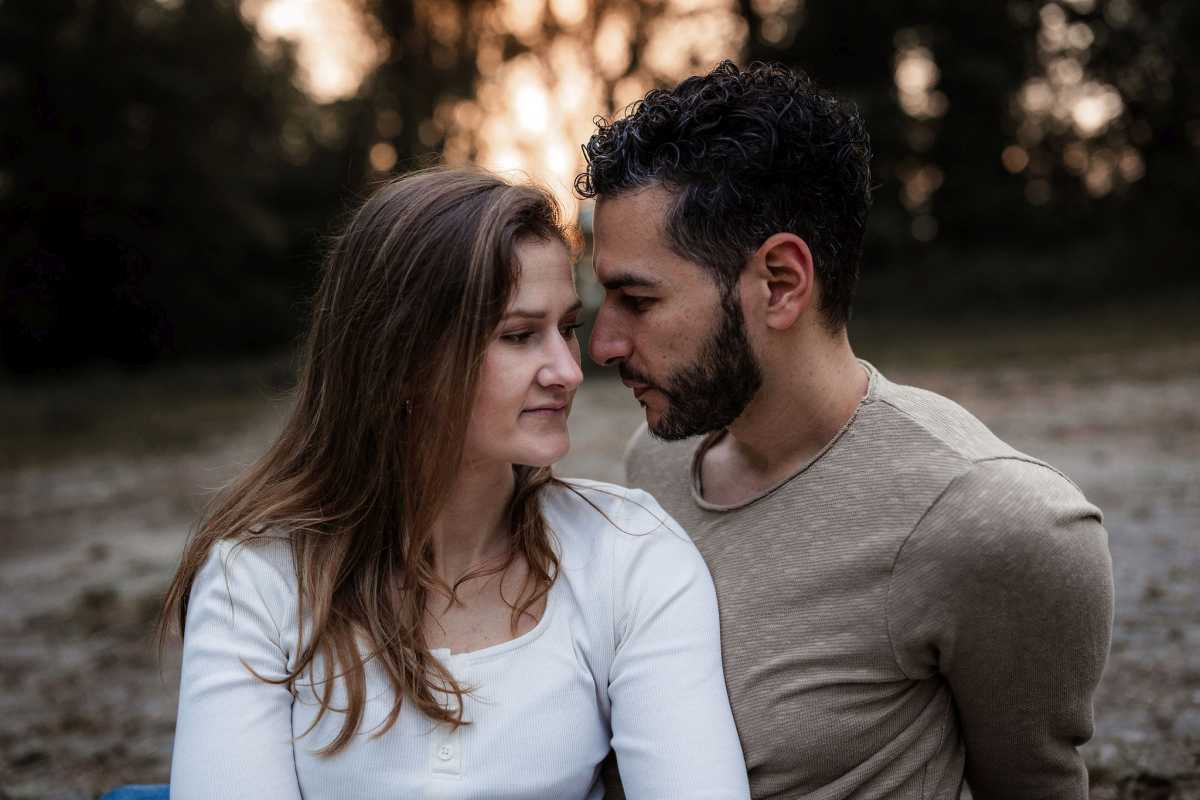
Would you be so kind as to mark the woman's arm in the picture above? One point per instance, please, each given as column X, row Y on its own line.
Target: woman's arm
column 673, row 731
column 233, row 734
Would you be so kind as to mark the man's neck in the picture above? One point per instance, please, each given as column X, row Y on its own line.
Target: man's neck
column 793, row 417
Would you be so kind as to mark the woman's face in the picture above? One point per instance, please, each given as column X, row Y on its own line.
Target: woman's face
column 531, row 368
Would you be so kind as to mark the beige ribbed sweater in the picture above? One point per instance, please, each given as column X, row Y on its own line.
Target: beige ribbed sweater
column 919, row 604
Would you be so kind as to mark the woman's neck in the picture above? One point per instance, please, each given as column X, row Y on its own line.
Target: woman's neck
column 473, row 525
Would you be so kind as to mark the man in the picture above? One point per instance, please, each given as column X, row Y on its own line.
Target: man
column 906, row 601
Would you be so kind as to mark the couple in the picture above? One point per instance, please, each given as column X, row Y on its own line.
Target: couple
column 401, row 600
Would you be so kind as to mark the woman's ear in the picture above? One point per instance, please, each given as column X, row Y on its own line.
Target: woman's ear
column 787, row 267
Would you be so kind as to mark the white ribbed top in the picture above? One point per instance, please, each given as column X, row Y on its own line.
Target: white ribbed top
column 626, row 655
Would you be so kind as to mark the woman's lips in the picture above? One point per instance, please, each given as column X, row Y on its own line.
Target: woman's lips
column 546, row 411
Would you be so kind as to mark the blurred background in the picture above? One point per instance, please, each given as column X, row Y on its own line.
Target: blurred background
column 170, row 168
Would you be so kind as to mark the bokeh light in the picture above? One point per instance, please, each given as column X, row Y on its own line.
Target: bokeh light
column 336, row 47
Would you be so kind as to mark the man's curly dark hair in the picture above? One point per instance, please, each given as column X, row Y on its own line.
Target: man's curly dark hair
column 747, row 154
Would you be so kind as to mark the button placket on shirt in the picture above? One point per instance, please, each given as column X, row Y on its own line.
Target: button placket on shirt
column 446, row 745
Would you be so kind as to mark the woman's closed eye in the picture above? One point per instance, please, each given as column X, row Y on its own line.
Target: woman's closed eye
column 521, row 337
column 517, row 337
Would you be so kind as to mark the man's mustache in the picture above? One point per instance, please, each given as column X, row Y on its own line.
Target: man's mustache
column 630, row 374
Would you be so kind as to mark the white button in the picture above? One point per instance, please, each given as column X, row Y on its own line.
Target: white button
column 445, row 752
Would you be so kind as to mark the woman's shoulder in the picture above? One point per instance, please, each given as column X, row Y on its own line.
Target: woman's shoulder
column 265, row 551
column 620, row 543
column 257, row 568
column 598, row 511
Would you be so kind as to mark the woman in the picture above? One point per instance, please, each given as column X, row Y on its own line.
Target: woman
column 398, row 599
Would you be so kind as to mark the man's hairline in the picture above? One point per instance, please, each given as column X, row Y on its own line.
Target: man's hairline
column 675, row 192
column 713, row 274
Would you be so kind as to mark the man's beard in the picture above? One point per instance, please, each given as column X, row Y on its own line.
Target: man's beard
column 713, row 391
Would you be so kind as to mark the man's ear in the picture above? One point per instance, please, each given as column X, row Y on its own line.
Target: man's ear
column 787, row 266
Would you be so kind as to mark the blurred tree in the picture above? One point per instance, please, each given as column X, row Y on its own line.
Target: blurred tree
column 514, row 85
column 1025, row 151
column 162, row 181
column 429, row 62
column 1127, row 74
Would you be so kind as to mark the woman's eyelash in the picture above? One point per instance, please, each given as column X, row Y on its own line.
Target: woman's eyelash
column 518, row 337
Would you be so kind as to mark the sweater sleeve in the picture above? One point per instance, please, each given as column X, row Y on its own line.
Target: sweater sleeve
column 233, row 735
column 1005, row 589
column 672, row 728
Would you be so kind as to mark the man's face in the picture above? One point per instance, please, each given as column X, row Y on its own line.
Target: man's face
column 679, row 342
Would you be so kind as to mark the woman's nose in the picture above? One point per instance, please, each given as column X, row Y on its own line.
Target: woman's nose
column 562, row 368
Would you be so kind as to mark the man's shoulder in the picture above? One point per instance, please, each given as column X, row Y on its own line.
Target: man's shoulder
column 1016, row 496
column 922, row 429
column 959, row 434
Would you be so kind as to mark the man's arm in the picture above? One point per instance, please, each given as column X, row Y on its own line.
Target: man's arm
column 1005, row 589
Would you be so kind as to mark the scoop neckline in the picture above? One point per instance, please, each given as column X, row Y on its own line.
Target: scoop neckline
column 444, row 655
column 696, row 484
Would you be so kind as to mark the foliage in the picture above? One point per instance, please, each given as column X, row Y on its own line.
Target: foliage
column 164, row 184
column 161, row 182
column 1055, row 141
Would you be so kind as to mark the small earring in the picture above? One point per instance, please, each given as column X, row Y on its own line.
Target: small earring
column 408, row 406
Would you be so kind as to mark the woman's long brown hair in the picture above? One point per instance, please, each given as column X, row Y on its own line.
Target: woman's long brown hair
column 411, row 294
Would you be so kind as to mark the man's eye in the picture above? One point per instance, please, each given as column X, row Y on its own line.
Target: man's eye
column 637, row 303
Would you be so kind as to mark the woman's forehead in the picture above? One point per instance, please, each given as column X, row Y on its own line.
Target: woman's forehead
column 546, row 276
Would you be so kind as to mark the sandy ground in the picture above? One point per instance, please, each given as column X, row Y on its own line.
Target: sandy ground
column 101, row 477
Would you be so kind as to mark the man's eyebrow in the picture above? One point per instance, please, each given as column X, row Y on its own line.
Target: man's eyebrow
column 523, row 313
column 624, row 280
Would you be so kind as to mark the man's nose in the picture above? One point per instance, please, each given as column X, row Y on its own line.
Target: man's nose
column 609, row 344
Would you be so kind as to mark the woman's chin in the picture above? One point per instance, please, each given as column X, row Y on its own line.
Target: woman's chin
column 546, row 455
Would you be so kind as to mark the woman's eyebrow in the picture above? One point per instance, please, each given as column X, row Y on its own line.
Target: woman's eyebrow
column 524, row 313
